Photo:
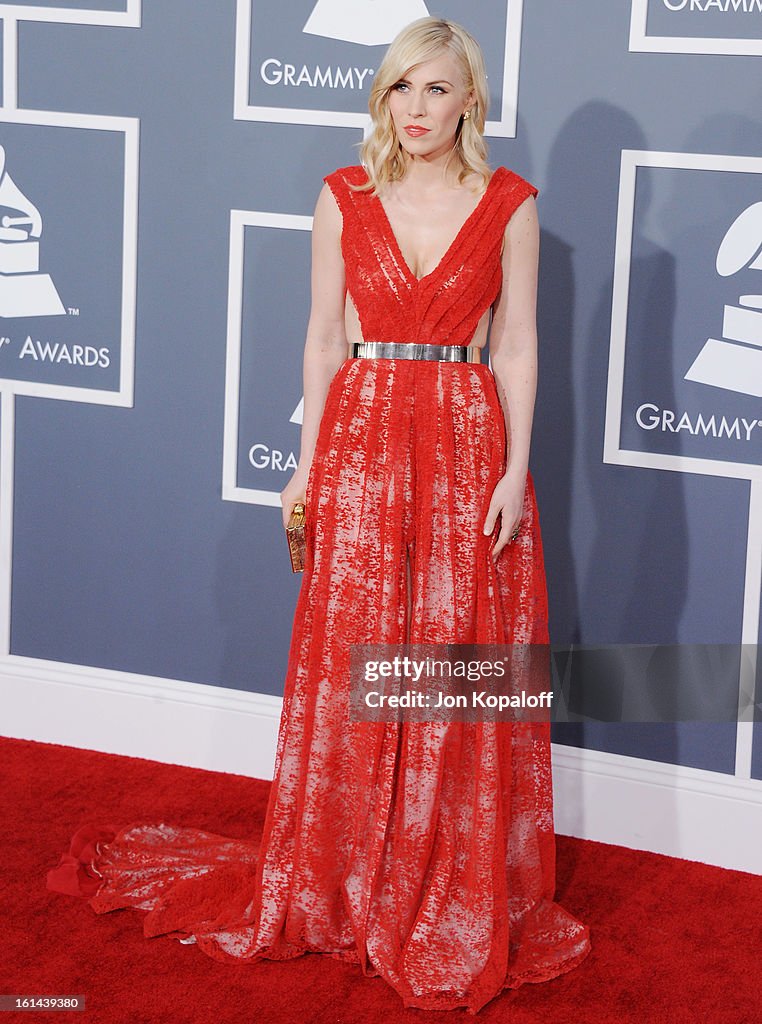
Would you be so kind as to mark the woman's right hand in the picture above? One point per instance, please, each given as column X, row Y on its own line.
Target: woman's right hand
column 295, row 490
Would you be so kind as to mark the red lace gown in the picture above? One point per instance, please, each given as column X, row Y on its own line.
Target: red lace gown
column 422, row 851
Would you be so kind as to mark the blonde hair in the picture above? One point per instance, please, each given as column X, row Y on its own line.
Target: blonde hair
column 381, row 153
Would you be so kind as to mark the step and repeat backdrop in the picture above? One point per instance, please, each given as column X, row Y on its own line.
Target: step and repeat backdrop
column 158, row 172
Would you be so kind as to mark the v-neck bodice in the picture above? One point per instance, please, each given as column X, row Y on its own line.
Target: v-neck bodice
column 444, row 306
column 463, row 228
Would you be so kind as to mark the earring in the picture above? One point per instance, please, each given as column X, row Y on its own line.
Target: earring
column 466, row 115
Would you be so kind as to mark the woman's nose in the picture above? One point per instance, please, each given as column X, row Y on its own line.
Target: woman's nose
column 416, row 106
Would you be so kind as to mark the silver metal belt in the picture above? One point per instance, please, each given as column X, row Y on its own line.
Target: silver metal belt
column 410, row 350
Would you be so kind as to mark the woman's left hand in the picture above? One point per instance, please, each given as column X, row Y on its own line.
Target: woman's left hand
column 508, row 502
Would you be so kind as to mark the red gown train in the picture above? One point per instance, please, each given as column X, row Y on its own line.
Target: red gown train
column 422, row 851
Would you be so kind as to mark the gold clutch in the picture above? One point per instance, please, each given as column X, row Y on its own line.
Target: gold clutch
column 297, row 544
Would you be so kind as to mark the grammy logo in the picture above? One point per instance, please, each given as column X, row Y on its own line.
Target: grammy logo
column 735, row 361
column 24, row 291
column 367, row 22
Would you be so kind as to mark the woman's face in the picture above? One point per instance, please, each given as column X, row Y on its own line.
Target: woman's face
column 426, row 106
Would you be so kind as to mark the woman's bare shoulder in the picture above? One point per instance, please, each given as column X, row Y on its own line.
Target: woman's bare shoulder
column 327, row 215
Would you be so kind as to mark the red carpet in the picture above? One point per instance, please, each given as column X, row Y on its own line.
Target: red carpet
column 674, row 942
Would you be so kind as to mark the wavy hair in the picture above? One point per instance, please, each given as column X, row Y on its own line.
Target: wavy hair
column 381, row 153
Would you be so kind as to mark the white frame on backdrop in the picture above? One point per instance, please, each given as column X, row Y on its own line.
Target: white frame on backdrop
column 129, row 127
column 505, row 127
column 613, row 453
column 128, row 18
column 239, row 221
column 641, row 41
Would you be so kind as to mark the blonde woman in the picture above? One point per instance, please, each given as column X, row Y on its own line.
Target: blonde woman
column 421, row 851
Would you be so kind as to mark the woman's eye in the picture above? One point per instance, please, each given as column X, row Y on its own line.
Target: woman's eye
column 402, row 86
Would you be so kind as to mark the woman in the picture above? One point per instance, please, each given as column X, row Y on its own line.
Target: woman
column 422, row 851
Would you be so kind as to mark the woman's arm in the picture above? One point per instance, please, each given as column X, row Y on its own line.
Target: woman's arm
column 513, row 355
column 326, row 346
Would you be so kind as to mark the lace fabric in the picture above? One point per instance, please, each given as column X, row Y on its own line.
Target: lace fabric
column 424, row 852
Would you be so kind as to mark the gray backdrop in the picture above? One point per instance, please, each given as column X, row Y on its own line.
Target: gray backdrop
column 125, row 553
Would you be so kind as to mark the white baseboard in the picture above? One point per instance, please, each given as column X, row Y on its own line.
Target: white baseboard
column 647, row 805
column 164, row 720
column 628, row 801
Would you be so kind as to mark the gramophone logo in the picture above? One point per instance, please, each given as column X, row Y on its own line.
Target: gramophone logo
column 368, row 22
column 24, row 291
column 734, row 362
